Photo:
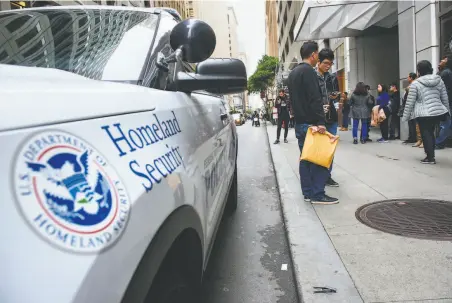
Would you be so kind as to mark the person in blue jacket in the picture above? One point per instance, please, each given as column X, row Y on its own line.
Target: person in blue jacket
column 383, row 103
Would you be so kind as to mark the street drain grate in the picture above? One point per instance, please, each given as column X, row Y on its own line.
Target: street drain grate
column 414, row 218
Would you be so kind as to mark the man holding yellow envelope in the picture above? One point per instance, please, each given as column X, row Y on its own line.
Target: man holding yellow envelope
column 307, row 105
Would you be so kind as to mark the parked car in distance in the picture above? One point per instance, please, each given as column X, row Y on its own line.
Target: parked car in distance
column 119, row 157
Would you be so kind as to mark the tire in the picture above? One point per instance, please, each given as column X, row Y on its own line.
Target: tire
column 231, row 204
column 172, row 287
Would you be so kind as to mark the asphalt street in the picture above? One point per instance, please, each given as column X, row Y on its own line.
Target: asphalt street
column 250, row 261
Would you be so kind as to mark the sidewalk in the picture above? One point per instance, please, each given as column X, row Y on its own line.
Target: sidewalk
column 330, row 247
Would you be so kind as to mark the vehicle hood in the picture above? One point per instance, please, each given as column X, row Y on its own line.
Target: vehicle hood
column 32, row 96
column 429, row 80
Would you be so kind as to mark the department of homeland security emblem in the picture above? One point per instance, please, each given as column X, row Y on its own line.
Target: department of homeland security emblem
column 69, row 194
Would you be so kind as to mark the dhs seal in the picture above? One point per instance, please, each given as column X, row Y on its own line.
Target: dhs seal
column 69, row 194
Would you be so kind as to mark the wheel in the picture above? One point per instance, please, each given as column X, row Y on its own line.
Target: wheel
column 231, row 205
column 172, row 287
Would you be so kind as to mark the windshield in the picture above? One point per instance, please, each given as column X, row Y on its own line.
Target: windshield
column 101, row 44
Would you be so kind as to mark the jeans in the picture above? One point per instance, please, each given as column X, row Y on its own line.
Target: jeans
column 364, row 129
column 427, row 127
column 332, row 129
column 394, row 125
column 286, row 127
column 313, row 177
column 445, row 131
column 345, row 119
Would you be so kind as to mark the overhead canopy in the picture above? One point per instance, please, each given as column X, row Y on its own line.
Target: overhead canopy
column 322, row 19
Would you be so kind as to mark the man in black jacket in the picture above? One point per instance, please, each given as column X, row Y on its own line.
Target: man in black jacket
column 307, row 106
column 282, row 104
column 395, row 106
column 446, row 75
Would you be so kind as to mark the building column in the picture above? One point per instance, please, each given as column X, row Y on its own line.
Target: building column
column 407, row 50
column 5, row 6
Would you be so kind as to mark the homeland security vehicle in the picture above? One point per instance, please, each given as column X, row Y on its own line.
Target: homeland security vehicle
column 118, row 158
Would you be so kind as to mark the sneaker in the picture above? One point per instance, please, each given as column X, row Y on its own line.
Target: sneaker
column 439, row 146
column 427, row 161
column 382, row 140
column 276, row 142
column 332, row 183
column 285, row 141
column 368, row 140
column 325, row 200
column 392, row 138
column 363, row 141
column 355, row 141
column 307, row 199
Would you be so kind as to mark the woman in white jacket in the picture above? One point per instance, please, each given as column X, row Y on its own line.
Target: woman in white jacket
column 427, row 102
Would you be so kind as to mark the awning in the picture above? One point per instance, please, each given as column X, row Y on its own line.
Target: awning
column 322, row 19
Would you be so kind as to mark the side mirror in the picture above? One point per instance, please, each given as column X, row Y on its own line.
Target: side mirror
column 195, row 38
column 217, row 76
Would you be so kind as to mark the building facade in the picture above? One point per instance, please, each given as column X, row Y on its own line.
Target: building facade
column 184, row 7
column 288, row 48
column 245, row 101
column 271, row 29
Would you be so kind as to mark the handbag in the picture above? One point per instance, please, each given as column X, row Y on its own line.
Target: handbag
column 318, row 148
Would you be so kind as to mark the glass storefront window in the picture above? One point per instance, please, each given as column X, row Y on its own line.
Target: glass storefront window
column 446, row 35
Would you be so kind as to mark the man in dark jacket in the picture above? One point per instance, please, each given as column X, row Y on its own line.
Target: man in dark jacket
column 330, row 96
column 371, row 106
column 307, row 106
column 395, row 106
column 446, row 126
column 282, row 104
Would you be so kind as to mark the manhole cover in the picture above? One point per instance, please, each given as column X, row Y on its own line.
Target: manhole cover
column 415, row 218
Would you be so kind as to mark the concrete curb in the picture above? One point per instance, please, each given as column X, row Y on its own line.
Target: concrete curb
column 315, row 260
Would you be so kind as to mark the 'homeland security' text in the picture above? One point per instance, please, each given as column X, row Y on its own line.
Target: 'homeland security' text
column 144, row 136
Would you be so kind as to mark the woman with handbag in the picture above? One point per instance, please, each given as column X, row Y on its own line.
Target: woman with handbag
column 427, row 102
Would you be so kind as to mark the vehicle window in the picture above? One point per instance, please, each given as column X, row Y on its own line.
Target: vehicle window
column 153, row 76
column 100, row 44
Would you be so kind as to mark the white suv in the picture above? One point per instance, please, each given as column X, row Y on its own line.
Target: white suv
column 118, row 158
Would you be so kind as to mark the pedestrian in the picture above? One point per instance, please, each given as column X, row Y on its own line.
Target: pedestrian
column 307, row 107
column 345, row 111
column 282, row 106
column 360, row 111
column 411, row 123
column 372, row 98
column 383, row 103
column 446, row 126
column 329, row 87
column 394, row 107
column 428, row 103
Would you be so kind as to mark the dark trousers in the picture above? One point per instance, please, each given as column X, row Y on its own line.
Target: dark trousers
column 345, row 119
column 286, row 127
column 427, row 126
column 313, row 177
column 395, row 125
column 412, row 130
column 384, row 126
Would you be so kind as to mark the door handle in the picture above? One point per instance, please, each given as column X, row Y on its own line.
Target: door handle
column 224, row 116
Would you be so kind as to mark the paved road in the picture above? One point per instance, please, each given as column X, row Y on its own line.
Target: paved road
column 251, row 246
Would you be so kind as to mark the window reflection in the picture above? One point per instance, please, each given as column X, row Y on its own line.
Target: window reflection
column 100, row 44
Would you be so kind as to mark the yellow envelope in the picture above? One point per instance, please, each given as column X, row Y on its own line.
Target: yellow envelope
column 318, row 148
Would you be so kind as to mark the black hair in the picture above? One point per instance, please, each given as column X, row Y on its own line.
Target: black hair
column 326, row 53
column 360, row 89
column 346, row 93
column 282, row 90
column 367, row 87
column 424, row 67
column 308, row 48
column 384, row 88
column 395, row 84
column 412, row 76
